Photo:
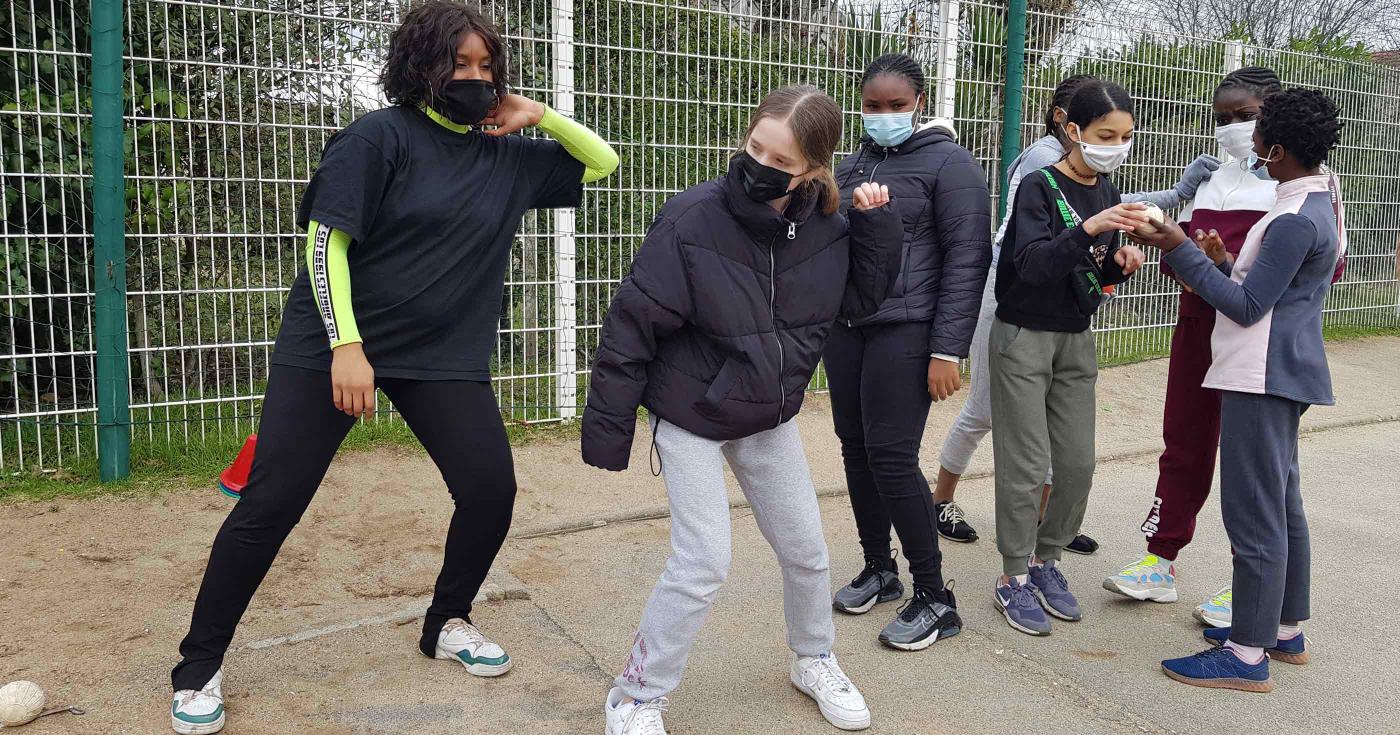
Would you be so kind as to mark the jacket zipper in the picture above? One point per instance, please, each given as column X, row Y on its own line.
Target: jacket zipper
column 773, row 313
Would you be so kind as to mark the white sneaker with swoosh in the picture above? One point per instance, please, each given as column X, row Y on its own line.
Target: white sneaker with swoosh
column 821, row 678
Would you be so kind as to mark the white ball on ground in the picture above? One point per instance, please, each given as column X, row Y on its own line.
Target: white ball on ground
column 20, row 703
column 1154, row 215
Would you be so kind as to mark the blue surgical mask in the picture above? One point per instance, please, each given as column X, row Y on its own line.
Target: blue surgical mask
column 890, row 128
column 1259, row 167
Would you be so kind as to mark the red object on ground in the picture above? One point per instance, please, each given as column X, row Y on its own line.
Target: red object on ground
column 233, row 479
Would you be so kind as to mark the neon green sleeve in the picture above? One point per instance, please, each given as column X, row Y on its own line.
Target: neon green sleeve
column 598, row 158
column 329, row 266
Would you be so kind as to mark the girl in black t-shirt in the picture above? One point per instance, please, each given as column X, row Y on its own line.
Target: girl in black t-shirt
column 410, row 219
column 1061, row 248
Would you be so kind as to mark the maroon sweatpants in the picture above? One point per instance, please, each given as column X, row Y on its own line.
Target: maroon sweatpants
column 1191, row 431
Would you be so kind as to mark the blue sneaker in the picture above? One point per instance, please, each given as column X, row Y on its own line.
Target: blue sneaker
column 1290, row 651
column 1018, row 603
column 1220, row 668
column 1052, row 590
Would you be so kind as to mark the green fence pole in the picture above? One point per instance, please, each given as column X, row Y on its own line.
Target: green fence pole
column 109, row 242
column 1011, row 102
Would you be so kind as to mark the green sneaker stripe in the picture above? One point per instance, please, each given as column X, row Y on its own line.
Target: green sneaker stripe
column 198, row 719
column 470, row 659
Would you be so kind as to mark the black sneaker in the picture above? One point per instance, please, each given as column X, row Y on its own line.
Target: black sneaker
column 952, row 523
column 1083, row 545
column 877, row 582
column 928, row 617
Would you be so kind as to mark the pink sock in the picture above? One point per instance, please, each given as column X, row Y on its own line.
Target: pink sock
column 1289, row 632
column 1248, row 654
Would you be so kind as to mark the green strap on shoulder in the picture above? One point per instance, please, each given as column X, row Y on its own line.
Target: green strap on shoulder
column 1067, row 212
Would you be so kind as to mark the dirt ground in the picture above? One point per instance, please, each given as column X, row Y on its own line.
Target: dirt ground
column 95, row 594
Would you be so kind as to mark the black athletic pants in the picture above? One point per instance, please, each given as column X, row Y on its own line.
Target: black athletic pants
column 878, row 377
column 458, row 422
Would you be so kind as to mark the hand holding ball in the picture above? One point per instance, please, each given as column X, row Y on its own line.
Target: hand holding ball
column 21, row 702
column 1155, row 217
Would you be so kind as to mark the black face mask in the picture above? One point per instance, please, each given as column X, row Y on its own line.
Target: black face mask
column 466, row 101
column 762, row 183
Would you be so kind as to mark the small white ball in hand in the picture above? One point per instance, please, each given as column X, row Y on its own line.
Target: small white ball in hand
column 1154, row 216
column 20, row 703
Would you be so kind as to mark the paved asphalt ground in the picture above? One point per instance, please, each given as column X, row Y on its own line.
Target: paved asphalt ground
column 573, row 599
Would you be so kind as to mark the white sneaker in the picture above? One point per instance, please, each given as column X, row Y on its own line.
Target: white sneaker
column 822, row 679
column 631, row 717
column 462, row 642
column 199, row 712
column 1216, row 612
column 1149, row 578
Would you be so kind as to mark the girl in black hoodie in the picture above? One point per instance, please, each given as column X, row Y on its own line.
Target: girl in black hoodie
column 1061, row 248
column 717, row 331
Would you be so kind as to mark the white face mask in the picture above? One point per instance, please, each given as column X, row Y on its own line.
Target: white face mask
column 1104, row 158
column 1236, row 139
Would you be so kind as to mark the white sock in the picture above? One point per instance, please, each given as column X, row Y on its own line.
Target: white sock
column 1248, row 654
column 1021, row 578
column 1289, row 632
column 1034, row 562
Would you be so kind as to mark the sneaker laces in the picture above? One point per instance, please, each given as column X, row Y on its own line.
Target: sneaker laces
column 1055, row 574
column 194, row 696
column 911, row 610
column 830, row 675
column 474, row 635
column 952, row 513
column 1021, row 596
column 647, row 717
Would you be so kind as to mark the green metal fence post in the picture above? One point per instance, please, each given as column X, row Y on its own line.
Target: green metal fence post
column 1011, row 102
column 109, row 242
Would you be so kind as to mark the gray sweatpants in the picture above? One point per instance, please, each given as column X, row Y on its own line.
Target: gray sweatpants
column 1043, row 410
column 1262, row 505
column 772, row 470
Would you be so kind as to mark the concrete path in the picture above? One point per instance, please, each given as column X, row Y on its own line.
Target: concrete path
column 330, row 645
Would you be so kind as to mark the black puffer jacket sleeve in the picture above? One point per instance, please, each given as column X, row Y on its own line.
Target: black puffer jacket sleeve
column 653, row 301
column 877, row 236
column 962, row 212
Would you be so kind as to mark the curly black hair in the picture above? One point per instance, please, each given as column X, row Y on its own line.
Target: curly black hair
column 900, row 65
column 1257, row 81
column 423, row 51
column 1305, row 122
column 1060, row 98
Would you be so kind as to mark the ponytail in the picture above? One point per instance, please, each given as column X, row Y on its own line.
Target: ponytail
column 823, row 187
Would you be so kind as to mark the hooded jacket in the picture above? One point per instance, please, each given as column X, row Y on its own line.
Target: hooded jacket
column 946, row 247
column 721, row 322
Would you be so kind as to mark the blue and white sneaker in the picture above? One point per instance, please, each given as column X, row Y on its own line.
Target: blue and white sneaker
column 199, row 712
column 1052, row 591
column 1215, row 612
column 462, row 642
column 1018, row 603
column 1288, row 650
column 1149, row 578
column 1220, row 668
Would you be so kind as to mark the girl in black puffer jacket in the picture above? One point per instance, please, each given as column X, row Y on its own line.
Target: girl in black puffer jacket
column 717, row 331
column 885, row 370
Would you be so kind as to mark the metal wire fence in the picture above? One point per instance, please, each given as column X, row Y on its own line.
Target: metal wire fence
column 229, row 102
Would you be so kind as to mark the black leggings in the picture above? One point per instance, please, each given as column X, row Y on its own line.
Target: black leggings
column 879, row 402
column 458, row 422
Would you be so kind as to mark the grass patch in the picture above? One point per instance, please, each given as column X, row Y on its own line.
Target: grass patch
column 158, row 467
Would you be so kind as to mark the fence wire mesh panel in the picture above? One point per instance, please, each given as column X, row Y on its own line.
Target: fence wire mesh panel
column 230, row 102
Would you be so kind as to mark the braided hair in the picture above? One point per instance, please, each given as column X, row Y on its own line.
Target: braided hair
column 900, row 65
column 1256, row 81
column 1304, row 121
column 1063, row 93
